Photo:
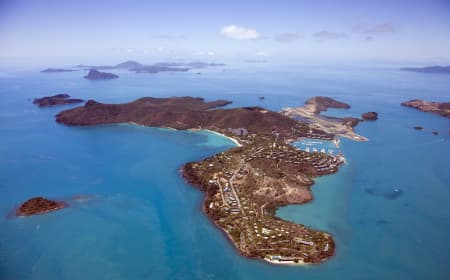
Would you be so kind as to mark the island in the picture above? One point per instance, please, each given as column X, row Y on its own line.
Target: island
column 58, row 99
column 39, row 205
column 439, row 108
column 244, row 185
column 370, row 116
column 97, row 75
column 57, row 70
column 137, row 67
column 429, row 69
column 311, row 113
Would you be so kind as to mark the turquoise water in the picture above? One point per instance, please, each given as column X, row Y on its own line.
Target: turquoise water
column 140, row 220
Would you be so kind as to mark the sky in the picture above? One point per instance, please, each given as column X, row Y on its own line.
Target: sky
column 413, row 31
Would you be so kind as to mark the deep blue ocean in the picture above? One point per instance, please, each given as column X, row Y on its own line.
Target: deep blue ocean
column 388, row 207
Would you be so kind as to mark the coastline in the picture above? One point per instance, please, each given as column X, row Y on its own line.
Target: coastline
column 193, row 130
column 233, row 244
column 236, row 199
column 223, row 135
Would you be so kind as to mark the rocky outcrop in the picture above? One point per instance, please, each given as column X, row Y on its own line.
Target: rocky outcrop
column 39, row 205
column 58, row 99
column 97, row 75
column 370, row 116
column 440, row 108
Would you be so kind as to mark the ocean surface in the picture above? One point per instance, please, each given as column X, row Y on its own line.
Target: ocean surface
column 132, row 216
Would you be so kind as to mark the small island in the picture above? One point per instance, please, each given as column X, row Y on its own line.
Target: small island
column 439, row 108
column 39, row 205
column 58, row 99
column 428, row 69
column 370, row 116
column 57, row 70
column 137, row 67
column 244, row 185
column 97, row 75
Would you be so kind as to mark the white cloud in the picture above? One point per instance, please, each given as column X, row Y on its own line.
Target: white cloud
column 239, row 33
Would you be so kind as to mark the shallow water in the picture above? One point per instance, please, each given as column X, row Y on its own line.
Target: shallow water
column 140, row 220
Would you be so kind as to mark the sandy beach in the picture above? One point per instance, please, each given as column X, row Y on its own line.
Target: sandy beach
column 290, row 263
column 195, row 129
column 223, row 135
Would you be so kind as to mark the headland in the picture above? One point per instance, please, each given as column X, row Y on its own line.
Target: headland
column 310, row 113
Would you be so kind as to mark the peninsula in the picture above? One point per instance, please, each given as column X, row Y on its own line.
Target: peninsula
column 310, row 113
column 58, row 99
column 429, row 69
column 39, row 205
column 440, row 108
column 245, row 185
column 97, row 75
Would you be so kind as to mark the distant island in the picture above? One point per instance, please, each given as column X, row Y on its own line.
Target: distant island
column 57, row 70
column 440, row 108
column 39, row 205
column 58, row 99
column 429, row 69
column 153, row 68
column 244, row 185
column 97, row 75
